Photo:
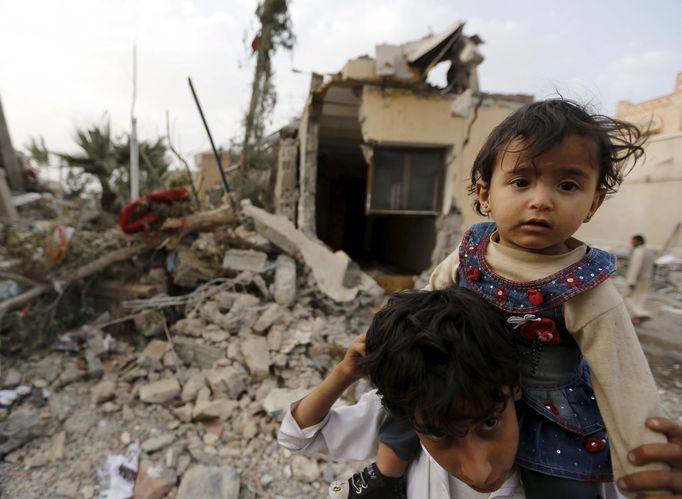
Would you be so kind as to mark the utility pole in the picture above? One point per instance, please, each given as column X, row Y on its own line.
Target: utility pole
column 134, row 154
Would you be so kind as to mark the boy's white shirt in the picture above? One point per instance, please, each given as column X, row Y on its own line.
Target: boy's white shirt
column 350, row 433
column 599, row 322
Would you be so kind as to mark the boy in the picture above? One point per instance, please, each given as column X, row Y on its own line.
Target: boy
column 442, row 360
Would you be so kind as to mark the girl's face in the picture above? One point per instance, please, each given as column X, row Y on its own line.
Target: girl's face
column 539, row 205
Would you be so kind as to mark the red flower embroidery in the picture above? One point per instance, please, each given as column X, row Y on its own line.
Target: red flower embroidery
column 551, row 407
column 472, row 248
column 594, row 444
column 473, row 274
column 535, row 297
column 501, row 294
column 543, row 330
column 571, row 280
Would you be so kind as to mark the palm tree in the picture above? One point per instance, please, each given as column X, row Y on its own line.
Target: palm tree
column 108, row 161
column 97, row 158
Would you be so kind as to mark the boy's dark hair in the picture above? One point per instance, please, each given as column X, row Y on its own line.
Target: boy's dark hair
column 639, row 238
column 440, row 359
column 544, row 124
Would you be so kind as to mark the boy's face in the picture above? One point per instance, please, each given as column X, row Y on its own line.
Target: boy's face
column 537, row 207
column 484, row 457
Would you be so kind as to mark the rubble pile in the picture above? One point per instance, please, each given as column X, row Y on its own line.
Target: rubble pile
column 180, row 394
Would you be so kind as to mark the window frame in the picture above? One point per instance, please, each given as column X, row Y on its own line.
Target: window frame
column 407, row 152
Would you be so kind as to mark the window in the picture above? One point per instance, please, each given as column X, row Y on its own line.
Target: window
column 406, row 181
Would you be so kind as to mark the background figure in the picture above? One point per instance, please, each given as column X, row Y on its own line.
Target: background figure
column 638, row 279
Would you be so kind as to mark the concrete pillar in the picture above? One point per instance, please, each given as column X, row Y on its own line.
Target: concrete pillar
column 7, row 209
column 308, row 134
column 286, row 184
column 8, row 158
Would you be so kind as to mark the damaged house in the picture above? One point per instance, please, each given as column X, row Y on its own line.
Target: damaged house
column 648, row 202
column 379, row 163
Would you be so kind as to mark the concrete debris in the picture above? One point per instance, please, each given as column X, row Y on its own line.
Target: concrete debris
column 153, row 481
column 271, row 314
column 155, row 444
column 104, row 391
column 150, row 323
column 257, row 357
column 329, row 268
column 240, row 260
column 160, row 391
column 210, row 481
column 285, row 281
column 193, row 384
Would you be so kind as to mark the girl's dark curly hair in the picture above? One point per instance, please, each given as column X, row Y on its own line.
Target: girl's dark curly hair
column 544, row 124
column 440, row 359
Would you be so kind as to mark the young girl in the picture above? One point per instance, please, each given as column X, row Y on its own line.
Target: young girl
column 543, row 172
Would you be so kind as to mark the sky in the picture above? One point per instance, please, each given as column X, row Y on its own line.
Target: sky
column 68, row 64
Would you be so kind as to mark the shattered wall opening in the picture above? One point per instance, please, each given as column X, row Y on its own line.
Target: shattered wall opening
column 407, row 202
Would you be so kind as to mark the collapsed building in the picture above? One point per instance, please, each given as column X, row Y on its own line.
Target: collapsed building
column 378, row 164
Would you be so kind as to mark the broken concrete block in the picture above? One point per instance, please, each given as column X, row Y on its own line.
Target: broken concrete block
column 153, row 481
column 257, row 357
column 189, row 327
column 227, row 380
column 103, row 391
column 285, row 281
column 252, row 239
column 305, row 468
column 157, row 443
column 57, row 451
column 190, row 389
column 160, row 391
column 277, row 402
column 11, row 378
column 267, row 318
column 219, row 408
column 215, row 334
column 194, row 354
column 275, row 336
column 329, row 269
column 149, row 323
column 156, row 349
column 189, row 270
column 209, row 481
column 240, row 260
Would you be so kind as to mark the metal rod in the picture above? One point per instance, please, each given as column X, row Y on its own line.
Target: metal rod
column 210, row 138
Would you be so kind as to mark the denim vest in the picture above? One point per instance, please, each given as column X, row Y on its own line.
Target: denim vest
column 561, row 431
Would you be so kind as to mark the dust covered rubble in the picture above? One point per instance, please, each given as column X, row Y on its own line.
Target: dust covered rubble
column 204, row 401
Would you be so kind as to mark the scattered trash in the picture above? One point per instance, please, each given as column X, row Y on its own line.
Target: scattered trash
column 8, row 397
column 119, row 473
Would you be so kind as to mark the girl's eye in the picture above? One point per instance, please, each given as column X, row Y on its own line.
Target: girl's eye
column 568, row 186
column 490, row 424
column 519, row 182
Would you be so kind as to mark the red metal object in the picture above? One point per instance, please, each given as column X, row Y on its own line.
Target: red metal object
column 139, row 215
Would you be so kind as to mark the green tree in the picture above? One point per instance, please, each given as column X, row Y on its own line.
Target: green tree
column 97, row 157
column 38, row 150
column 108, row 160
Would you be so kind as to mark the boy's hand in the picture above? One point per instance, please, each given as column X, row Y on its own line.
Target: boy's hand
column 670, row 453
column 355, row 352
